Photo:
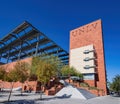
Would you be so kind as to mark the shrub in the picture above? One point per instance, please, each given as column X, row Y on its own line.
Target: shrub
column 84, row 84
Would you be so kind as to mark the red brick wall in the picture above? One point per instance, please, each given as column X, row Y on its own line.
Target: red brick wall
column 91, row 34
column 29, row 85
column 90, row 82
column 9, row 67
column 8, row 85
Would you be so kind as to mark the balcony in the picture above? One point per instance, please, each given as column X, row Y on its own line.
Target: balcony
column 88, row 58
column 88, row 51
column 88, row 66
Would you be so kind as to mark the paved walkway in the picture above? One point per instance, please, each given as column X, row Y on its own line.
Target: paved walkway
column 32, row 98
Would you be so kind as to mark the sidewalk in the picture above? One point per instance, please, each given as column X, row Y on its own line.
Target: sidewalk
column 32, row 98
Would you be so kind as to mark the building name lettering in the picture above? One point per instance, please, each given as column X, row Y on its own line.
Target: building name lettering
column 84, row 29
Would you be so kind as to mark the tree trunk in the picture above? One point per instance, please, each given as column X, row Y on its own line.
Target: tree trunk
column 21, row 89
column 41, row 95
column 41, row 92
column 2, row 88
column 12, row 84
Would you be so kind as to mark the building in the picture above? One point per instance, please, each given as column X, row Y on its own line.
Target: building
column 87, row 54
column 24, row 42
column 86, row 50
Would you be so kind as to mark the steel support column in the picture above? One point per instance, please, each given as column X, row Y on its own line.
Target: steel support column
column 37, row 45
column 20, row 51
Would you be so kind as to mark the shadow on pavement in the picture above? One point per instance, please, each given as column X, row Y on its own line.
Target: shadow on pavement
column 20, row 102
column 54, row 98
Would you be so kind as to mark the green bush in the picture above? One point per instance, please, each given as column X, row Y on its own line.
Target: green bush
column 84, row 84
column 93, row 88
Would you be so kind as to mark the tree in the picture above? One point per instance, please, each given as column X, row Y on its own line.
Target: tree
column 70, row 71
column 2, row 75
column 11, row 77
column 22, row 71
column 45, row 71
column 44, row 68
column 115, row 85
column 55, row 61
column 8, row 76
column 67, row 71
column 33, row 69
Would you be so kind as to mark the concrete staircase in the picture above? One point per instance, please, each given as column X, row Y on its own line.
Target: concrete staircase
column 70, row 91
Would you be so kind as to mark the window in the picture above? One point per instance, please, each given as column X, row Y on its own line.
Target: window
column 89, row 76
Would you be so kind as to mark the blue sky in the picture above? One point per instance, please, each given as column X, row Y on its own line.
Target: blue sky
column 56, row 18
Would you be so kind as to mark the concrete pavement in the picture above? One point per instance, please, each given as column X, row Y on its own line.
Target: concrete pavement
column 32, row 98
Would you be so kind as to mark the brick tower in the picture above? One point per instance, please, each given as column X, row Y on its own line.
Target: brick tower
column 87, row 54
